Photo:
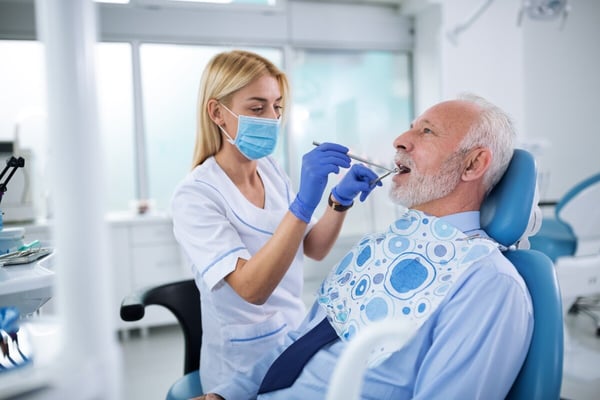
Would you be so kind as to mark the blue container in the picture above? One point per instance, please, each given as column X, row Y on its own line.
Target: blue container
column 11, row 239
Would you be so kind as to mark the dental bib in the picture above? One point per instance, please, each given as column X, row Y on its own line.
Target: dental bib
column 402, row 274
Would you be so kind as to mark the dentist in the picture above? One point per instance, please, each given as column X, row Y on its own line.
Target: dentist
column 242, row 228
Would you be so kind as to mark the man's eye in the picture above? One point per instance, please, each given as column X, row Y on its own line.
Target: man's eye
column 427, row 130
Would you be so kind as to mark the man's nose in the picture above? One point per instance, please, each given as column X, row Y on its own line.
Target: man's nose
column 402, row 142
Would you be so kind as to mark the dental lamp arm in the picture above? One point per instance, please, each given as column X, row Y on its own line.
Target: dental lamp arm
column 13, row 163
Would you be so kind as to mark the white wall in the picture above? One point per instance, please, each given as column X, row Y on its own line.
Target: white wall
column 562, row 94
column 546, row 78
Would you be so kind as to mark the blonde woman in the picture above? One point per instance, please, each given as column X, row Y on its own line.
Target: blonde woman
column 241, row 226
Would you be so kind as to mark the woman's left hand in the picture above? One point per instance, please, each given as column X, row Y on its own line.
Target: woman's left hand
column 357, row 180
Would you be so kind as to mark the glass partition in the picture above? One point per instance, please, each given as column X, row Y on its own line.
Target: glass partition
column 23, row 111
column 170, row 79
column 361, row 99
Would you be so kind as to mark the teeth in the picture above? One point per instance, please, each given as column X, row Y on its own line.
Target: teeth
column 403, row 169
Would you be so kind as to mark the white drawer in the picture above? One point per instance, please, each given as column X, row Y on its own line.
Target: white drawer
column 155, row 233
column 157, row 264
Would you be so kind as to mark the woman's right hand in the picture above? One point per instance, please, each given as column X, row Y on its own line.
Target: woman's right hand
column 317, row 164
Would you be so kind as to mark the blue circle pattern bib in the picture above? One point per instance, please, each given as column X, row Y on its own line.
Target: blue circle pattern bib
column 402, row 274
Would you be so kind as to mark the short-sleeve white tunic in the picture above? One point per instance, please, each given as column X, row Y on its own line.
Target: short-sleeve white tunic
column 215, row 225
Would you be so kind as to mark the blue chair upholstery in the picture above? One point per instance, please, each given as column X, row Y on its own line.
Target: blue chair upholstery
column 541, row 375
column 557, row 236
column 506, row 210
column 186, row 387
column 555, row 239
column 571, row 238
column 504, row 215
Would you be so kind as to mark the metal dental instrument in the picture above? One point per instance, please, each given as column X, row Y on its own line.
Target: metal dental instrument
column 357, row 158
column 374, row 181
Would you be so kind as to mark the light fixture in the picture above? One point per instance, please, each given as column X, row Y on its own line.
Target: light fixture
column 545, row 10
column 453, row 33
column 534, row 9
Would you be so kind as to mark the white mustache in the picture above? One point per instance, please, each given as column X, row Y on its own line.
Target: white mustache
column 404, row 160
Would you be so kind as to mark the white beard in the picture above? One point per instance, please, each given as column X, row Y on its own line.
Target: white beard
column 421, row 188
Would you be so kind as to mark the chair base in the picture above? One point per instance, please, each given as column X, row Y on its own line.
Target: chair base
column 186, row 387
column 589, row 306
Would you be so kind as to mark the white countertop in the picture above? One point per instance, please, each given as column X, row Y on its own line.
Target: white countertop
column 27, row 286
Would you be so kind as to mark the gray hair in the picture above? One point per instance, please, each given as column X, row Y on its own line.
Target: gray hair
column 495, row 131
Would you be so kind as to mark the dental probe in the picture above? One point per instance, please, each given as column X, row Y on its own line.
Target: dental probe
column 357, row 158
column 374, row 181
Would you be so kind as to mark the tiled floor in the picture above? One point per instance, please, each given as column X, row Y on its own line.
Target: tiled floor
column 152, row 362
column 581, row 376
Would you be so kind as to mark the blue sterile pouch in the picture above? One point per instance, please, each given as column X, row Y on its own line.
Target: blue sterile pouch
column 12, row 353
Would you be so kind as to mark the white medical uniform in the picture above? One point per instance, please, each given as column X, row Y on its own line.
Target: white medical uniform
column 215, row 225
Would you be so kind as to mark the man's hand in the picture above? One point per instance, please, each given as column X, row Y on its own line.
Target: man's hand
column 209, row 396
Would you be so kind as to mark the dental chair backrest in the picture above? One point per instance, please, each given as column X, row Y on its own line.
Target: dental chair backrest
column 579, row 208
column 509, row 214
column 506, row 216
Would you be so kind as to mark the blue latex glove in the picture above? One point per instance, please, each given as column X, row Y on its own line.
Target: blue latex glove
column 357, row 180
column 317, row 164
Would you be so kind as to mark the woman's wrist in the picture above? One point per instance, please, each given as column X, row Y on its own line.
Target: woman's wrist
column 335, row 205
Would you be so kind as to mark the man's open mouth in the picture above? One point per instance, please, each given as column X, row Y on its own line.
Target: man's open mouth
column 403, row 169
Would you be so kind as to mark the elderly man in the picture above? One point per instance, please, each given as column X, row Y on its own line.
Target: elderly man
column 435, row 270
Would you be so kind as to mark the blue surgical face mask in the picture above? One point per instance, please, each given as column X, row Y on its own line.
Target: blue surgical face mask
column 256, row 137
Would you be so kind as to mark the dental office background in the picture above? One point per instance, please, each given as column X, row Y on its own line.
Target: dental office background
column 359, row 74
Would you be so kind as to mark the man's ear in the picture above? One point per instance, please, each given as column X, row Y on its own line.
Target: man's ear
column 477, row 163
column 215, row 112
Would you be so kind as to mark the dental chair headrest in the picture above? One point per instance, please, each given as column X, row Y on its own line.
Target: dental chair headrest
column 510, row 212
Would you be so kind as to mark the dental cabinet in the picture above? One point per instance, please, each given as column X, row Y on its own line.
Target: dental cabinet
column 143, row 252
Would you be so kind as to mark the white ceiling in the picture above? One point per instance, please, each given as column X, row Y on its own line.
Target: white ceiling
column 390, row 2
column 408, row 6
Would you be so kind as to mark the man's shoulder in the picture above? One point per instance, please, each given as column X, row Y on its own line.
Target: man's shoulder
column 495, row 268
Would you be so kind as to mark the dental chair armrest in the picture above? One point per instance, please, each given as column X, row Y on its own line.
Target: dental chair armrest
column 133, row 305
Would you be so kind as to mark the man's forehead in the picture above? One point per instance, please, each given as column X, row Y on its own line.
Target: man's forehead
column 423, row 120
column 453, row 115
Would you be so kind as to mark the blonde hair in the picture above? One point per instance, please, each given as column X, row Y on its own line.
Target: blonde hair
column 225, row 74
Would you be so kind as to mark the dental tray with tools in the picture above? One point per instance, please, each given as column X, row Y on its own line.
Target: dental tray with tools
column 24, row 256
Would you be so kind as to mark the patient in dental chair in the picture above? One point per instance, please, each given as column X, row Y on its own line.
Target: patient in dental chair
column 434, row 270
